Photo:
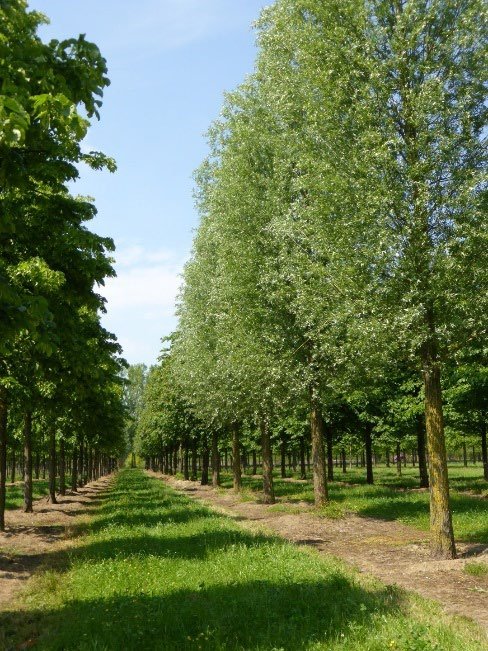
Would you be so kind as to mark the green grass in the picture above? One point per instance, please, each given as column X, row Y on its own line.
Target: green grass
column 156, row 570
column 15, row 493
column 476, row 569
column 386, row 499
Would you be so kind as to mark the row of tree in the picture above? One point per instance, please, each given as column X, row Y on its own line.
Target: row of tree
column 340, row 266
column 60, row 370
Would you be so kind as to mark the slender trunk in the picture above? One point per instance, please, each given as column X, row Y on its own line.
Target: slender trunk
column 205, row 461
column 330, row 456
column 74, row 470
column 421, row 451
column 441, row 531
column 3, row 455
column 318, row 455
column 303, row 467
column 194, row 470
column 388, row 458
column 215, row 460
column 62, row 468
column 81, row 460
column 268, row 488
column 344, row 460
column 52, row 466
column 254, row 463
column 14, row 461
column 236, row 458
column 28, row 462
column 368, row 441
column 399, row 459
column 484, row 450
column 186, row 465
column 283, row 455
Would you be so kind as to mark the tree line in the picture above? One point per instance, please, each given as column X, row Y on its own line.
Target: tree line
column 61, row 387
column 337, row 288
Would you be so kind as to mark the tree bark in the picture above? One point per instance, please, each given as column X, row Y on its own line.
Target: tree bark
column 52, row 466
column 421, row 451
column 205, row 461
column 318, row 455
column 399, row 459
column 484, row 450
column 215, row 460
column 28, row 462
column 236, row 458
column 268, row 487
column 441, row 531
column 283, row 455
column 254, row 463
column 303, row 466
column 62, row 468
column 3, row 455
column 368, row 442
column 330, row 456
column 74, row 470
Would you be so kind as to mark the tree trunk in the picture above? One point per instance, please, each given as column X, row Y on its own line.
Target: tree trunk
column 318, row 455
column 186, row 465
column 215, row 460
column 52, row 466
column 399, row 459
column 3, row 455
column 268, row 488
column 62, row 468
column 194, row 470
column 74, row 470
column 344, row 460
column 387, row 458
column 14, row 461
column 421, row 451
column 368, row 442
column 236, row 458
column 205, row 461
column 330, row 456
column 283, row 456
column 81, row 459
column 28, row 462
column 254, row 463
column 303, row 467
column 441, row 531
column 484, row 450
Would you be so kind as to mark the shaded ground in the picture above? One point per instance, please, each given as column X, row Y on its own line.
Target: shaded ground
column 391, row 551
column 30, row 536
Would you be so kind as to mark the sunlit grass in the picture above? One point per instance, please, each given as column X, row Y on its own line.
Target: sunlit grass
column 387, row 499
column 159, row 571
column 15, row 492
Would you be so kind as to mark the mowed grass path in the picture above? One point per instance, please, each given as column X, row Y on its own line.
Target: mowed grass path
column 155, row 570
column 390, row 498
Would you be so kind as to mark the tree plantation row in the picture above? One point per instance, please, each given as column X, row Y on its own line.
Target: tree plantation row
column 336, row 296
column 60, row 370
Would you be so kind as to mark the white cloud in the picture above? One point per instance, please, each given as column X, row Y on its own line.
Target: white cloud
column 141, row 300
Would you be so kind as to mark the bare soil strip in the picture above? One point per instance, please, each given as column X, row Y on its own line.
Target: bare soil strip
column 393, row 552
column 29, row 537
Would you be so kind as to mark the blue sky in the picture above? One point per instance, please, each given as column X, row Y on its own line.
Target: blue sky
column 170, row 61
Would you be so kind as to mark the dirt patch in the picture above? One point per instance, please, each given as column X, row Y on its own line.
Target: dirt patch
column 393, row 552
column 29, row 537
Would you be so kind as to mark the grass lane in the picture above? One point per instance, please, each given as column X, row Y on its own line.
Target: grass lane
column 155, row 570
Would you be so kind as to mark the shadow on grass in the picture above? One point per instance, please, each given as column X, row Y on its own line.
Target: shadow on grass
column 254, row 615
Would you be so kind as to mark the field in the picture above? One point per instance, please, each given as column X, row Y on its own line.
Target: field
column 155, row 570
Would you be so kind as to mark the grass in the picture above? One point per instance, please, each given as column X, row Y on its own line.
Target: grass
column 158, row 571
column 390, row 498
column 476, row 569
column 15, row 492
